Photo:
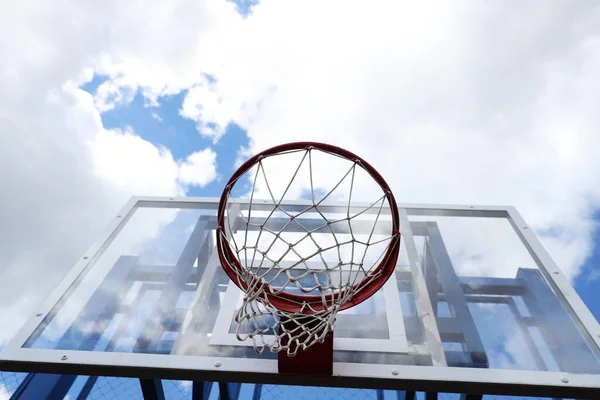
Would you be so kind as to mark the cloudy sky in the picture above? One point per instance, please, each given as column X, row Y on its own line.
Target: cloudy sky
column 469, row 102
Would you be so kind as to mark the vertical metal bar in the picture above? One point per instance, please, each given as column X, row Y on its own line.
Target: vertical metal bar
column 129, row 312
column 152, row 389
column 395, row 316
column 405, row 395
column 189, row 333
column 203, row 295
column 566, row 343
column 197, row 242
column 533, row 349
column 100, row 308
column 465, row 396
column 422, row 301
column 431, row 279
column 201, row 390
column 44, row 386
column 523, row 327
column 226, row 310
column 454, row 294
column 87, row 388
column 585, row 320
column 257, row 391
column 229, row 390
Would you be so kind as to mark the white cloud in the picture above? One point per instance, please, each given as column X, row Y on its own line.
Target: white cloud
column 205, row 106
column 133, row 164
column 157, row 117
column 199, row 168
column 65, row 191
column 4, row 395
column 474, row 103
column 67, row 176
column 110, row 94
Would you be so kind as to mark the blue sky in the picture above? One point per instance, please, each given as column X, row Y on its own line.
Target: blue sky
column 587, row 287
column 163, row 126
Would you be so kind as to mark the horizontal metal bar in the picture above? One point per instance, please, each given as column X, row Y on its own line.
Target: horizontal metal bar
column 159, row 275
column 206, row 203
column 449, row 329
column 377, row 376
column 488, row 287
column 422, row 298
column 483, row 299
column 457, row 211
column 411, row 208
column 492, row 286
column 463, row 359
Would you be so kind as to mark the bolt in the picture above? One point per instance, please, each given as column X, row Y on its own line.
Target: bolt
column 64, row 357
column 38, row 314
column 524, row 227
column 564, row 380
column 217, row 364
column 394, row 372
column 118, row 216
column 556, row 272
column 85, row 258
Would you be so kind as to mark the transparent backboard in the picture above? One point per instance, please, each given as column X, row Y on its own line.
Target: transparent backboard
column 472, row 291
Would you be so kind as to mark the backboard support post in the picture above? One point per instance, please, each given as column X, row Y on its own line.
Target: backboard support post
column 229, row 390
column 201, row 390
column 405, row 395
column 44, row 386
column 152, row 389
column 317, row 359
column 465, row 396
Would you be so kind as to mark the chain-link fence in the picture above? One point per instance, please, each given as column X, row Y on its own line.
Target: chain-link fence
column 279, row 392
column 128, row 388
column 9, row 382
column 107, row 388
column 177, row 390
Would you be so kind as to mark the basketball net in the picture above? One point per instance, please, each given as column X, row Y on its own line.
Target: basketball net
column 300, row 265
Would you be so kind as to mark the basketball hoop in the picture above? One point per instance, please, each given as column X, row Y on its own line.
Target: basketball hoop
column 296, row 278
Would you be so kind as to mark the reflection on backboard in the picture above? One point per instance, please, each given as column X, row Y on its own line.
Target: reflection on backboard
column 474, row 305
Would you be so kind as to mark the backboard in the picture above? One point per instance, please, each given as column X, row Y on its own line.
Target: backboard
column 475, row 306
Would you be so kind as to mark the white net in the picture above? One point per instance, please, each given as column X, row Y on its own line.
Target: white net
column 306, row 247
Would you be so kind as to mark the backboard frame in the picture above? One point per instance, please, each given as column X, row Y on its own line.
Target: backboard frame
column 460, row 380
column 395, row 344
